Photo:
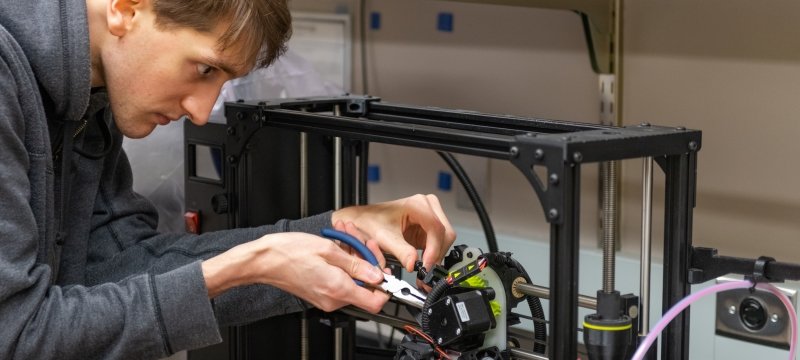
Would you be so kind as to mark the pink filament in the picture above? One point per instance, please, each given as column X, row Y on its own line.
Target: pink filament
column 683, row 304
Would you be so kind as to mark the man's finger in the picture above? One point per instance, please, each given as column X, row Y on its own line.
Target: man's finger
column 339, row 226
column 396, row 245
column 353, row 230
column 355, row 267
column 372, row 245
column 425, row 210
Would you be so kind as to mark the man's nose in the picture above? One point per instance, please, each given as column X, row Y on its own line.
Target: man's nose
column 199, row 104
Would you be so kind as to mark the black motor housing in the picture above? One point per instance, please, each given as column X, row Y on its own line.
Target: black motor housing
column 460, row 320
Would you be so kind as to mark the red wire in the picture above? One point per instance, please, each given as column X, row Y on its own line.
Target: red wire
column 482, row 263
column 418, row 332
column 427, row 338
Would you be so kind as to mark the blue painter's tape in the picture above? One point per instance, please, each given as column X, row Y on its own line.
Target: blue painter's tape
column 445, row 181
column 375, row 20
column 373, row 173
column 445, row 22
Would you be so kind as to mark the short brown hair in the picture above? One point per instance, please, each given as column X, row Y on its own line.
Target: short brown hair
column 260, row 27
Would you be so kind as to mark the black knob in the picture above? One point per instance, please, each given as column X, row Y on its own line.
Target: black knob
column 219, row 203
column 752, row 314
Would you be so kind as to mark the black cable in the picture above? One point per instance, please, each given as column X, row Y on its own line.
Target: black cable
column 537, row 312
column 488, row 230
column 436, row 293
column 531, row 318
column 539, row 329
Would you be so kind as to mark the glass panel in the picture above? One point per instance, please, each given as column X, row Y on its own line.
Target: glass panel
column 208, row 162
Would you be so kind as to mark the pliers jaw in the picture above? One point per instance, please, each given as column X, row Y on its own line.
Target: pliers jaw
column 403, row 291
column 399, row 289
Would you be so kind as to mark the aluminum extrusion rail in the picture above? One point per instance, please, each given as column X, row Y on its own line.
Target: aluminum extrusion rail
column 471, row 132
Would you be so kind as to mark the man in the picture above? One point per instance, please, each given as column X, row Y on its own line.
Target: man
column 83, row 274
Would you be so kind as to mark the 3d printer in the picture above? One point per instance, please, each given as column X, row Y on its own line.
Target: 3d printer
column 276, row 152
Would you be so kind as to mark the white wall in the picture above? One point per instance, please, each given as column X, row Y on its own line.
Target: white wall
column 731, row 69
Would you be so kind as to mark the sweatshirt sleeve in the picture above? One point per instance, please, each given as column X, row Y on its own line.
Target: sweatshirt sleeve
column 123, row 242
column 123, row 319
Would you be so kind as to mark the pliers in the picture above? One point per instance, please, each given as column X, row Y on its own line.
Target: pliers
column 399, row 289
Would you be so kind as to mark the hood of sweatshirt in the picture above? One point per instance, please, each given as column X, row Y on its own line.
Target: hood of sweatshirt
column 55, row 37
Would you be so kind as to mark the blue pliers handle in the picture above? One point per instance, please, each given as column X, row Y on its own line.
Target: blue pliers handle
column 352, row 242
column 399, row 289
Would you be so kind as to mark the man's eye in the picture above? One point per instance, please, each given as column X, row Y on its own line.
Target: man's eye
column 204, row 69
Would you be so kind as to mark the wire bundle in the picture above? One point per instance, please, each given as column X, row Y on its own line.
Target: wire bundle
column 418, row 332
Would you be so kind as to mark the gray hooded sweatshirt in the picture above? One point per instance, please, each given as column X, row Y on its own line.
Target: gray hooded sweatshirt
column 108, row 286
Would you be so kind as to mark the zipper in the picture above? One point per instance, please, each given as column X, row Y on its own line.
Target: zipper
column 78, row 131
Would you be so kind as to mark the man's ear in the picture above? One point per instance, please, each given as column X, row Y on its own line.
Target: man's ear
column 120, row 15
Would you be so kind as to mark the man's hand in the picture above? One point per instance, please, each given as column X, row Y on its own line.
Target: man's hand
column 321, row 272
column 400, row 227
column 308, row 266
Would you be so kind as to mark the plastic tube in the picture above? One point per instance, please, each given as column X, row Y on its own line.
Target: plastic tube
column 683, row 304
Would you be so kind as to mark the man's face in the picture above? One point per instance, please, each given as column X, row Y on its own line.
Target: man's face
column 156, row 76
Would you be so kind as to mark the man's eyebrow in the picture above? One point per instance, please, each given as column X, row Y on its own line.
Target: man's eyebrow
column 217, row 63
